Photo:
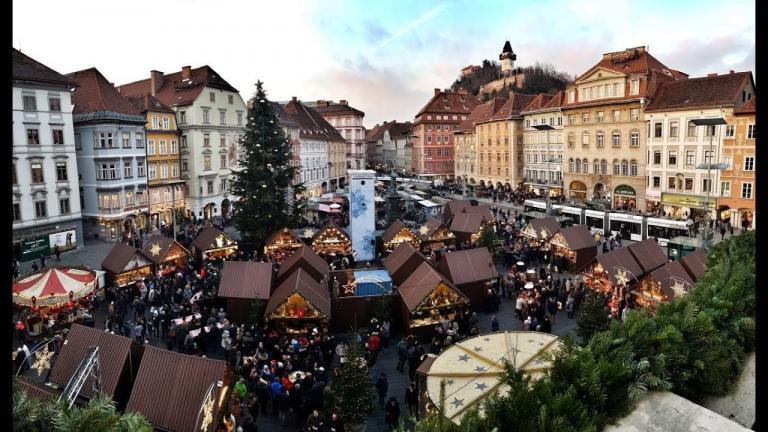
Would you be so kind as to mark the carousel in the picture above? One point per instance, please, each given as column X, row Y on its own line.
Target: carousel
column 613, row 274
column 299, row 305
column 572, row 248
column 166, row 254
column 281, row 244
column 126, row 265
column 52, row 294
column 539, row 231
column 662, row 286
column 398, row 233
column 427, row 297
column 213, row 243
column 435, row 235
column 331, row 241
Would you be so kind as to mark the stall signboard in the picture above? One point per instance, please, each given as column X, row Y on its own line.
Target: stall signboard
column 687, row 200
column 624, row 190
column 65, row 240
column 32, row 248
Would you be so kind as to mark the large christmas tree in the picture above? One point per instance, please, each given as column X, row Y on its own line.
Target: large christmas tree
column 264, row 181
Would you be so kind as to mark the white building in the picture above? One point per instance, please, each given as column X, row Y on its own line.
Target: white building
column 45, row 197
column 349, row 122
column 210, row 115
column 111, row 158
column 390, row 141
column 543, row 149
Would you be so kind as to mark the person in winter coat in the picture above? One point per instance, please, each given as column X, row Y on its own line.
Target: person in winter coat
column 402, row 355
column 382, row 386
column 392, row 413
column 412, row 399
column 494, row 324
column 240, row 389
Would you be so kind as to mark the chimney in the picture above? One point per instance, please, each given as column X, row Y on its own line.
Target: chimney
column 711, row 75
column 293, row 98
column 155, row 81
column 343, row 102
column 437, row 91
column 731, row 71
column 385, row 122
column 185, row 72
column 320, row 102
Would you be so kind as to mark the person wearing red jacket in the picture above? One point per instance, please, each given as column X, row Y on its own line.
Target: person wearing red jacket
column 374, row 343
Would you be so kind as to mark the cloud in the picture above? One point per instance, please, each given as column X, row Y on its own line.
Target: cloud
column 374, row 33
column 425, row 17
column 700, row 57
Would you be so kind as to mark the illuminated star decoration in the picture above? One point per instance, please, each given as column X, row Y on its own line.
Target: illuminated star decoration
column 42, row 360
column 308, row 232
column 544, row 233
column 349, row 288
column 621, row 277
column 423, row 230
column 679, row 289
column 480, row 386
column 207, row 413
column 457, row 402
column 155, row 249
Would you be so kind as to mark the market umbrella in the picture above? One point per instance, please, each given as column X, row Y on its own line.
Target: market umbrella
column 53, row 286
column 335, row 206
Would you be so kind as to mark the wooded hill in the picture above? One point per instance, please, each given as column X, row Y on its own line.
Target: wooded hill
column 539, row 78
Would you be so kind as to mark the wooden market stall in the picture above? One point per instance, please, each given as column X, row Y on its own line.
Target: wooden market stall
column 166, row 254
column 434, row 235
column 126, row 265
column 482, row 209
column 427, row 296
column 306, row 259
column 539, row 231
column 648, row 254
column 331, row 241
column 281, row 244
column 299, row 304
column 467, row 227
column 572, row 248
column 473, row 272
column 398, row 233
column 662, row 285
column 213, row 243
column 614, row 274
column 452, row 208
column 241, row 282
column 179, row 392
column 402, row 262
column 695, row 263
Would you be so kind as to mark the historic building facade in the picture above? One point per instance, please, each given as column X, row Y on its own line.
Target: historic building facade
column 736, row 202
column 210, row 115
column 389, row 140
column 111, row 158
column 349, row 122
column 604, row 129
column 433, row 152
column 543, row 149
column 45, row 198
column 678, row 186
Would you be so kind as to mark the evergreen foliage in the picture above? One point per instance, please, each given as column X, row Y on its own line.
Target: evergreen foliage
column 592, row 316
column 351, row 389
column 489, row 240
column 539, row 78
column 264, row 181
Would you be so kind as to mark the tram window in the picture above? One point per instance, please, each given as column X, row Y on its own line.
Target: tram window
column 633, row 228
column 595, row 222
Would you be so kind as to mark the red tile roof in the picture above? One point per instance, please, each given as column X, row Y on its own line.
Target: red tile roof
column 630, row 61
column 27, row 69
column 481, row 113
column 311, row 124
column 396, row 130
column 747, row 108
column 539, row 102
column 449, row 103
column 96, row 93
column 704, row 92
column 246, row 280
column 515, row 104
column 174, row 91
column 555, row 101
column 148, row 102
column 329, row 107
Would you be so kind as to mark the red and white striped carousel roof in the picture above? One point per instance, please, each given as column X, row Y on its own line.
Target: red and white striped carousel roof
column 54, row 285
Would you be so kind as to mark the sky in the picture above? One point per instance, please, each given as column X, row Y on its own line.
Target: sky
column 384, row 57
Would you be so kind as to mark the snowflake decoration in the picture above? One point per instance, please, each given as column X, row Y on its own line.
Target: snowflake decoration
column 679, row 289
column 423, row 230
column 207, row 413
column 42, row 360
column 155, row 249
column 621, row 277
column 308, row 233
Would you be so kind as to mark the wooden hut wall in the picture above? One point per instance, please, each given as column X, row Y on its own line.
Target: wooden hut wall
column 348, row 312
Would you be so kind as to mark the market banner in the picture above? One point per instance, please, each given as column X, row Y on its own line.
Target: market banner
column 32, row 248
column 65, row 240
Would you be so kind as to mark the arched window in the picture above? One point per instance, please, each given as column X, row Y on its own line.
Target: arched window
column 578, row 165
column 633, row 168
column 596, row 166
column 624, row 168
column 570, row 165
column 603, row 167
column 616, row 167
column 600, row 139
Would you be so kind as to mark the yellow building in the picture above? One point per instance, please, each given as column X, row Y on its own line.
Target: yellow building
column 163, row 161
column 604, row 156
column 737, row 200
column 337, row 156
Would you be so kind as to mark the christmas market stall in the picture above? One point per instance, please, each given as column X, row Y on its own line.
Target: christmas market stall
column 483, row 209
column 434, row 235
column 241, row 282
column 428, row 296
column 36, row 390
column 398, row 233
column 613, row 273
column 473, row 272
column 662, row 285
column 452, row 208
column 306, row 259
column 648, row 254
column 119, row 359
column 213, row 243
column 572, row 248
column 166, row 254
column 539, row 231
column 695, row 263
column 126, row 265
column 467, row 227
column 179, row 392
column 281, row 244
column 402, row 262
column 332, row 242
column 299, row 305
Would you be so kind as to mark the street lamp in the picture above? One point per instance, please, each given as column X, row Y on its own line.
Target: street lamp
column 707, row 122
column 546, row 127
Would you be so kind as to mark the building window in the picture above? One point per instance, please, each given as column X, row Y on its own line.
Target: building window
column 210, row 186
column 672, row 158
column 41, row 209
column 223, row 185
column 634, row 139
column 751, row 131
column 578, row 165
column 603, row 167
column 212, row 96
column 688, row 183
column 616, row 115
column 705, row 186
column 150, row 147
column 616, row 138
column 633, row 168
column 54, row 103
column 140, row 171
column 139, row 141
column 708, row 157
column 207, row 163
column 671, row 183
column 106, row 140
column 657, row 157
column 174, row 170
column 152, row 171
column 690, row 157
column 585, row 138
column 155, row 122
column 571, row 96
column 691, row 130
column 673, row 129
column 16, row 212
column 634, row 114
column 559, row 121
column 206, row 140
column 749, row 163
column 616, row 167
column 239, row 118
column 64, row 206
column 599, row 117
column 185, row 165
column 729, row 131
column 222, row 117
column 746, row 190
column 206, row 116
column 126, row 140
column 61, row 171
column 600, row 139
column 165, row 123
column 182, row 117
column 127, row 169
column 33, row 136
column 624, row 168
column 174, row 147
column 725, row 188
column 183, row 141
column 634, row 86
column 163, row 147
column 30, row 102
column 222, row 161
column 36, row 168
column 596, row 166
column 58, row 136
column 585, row 118
column 657, row 130
column 163, row 171
column 230, row 99
column 571, row 119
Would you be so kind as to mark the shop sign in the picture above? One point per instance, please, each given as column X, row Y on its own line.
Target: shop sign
column 31, row 248
column 624, row 190
column 687, row 200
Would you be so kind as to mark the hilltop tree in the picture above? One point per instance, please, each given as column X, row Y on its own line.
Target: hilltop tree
column 264, row 180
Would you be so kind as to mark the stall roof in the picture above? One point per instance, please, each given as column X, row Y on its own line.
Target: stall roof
column 428, row 203
column 548, row 224
column 620, row 259
column 114, row 353
column 578, row 237
column 285, row 230
column 37, row 390
column 648, row 254
column 423, row 368
column 302, row 256
column 420, row 283
column 453, row 208
column 171, row 388
column 246, row 280
column 122, row 258
column 430, row 226
column 468, row 266
column 483, row 209
column 393, row 229
column 157, row 248
column 672, row 278
column 467, row 222
column 695, row 263
column 206, row 240
column 301, row 282
column 327, row 227
column 402, row 254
